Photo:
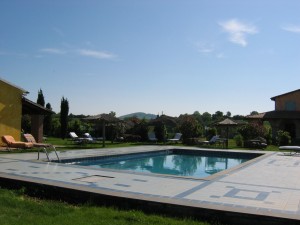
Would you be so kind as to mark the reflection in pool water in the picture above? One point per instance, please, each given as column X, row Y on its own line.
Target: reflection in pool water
column 172, row 164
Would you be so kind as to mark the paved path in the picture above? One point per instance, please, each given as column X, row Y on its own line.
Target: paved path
column 269, row 185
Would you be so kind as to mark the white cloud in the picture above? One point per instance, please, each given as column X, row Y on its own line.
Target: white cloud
column 291, row 28
column 53, row 51
column 238, row 31
column 81, row 52
column 96, row 54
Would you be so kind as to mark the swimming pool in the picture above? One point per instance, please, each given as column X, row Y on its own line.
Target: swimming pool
column 175, row 162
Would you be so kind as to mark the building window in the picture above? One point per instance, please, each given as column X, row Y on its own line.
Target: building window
column 290, row 106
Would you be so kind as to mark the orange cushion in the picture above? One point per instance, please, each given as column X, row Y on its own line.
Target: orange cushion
column 29, row 138
column 10, row 141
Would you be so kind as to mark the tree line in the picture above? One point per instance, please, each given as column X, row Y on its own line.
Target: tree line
column 192, row 126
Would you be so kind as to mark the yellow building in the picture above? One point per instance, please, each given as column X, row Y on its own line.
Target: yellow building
column 10, row 109
column 13, row 105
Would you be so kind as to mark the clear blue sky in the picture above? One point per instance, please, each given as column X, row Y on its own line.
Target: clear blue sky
column 152, row 55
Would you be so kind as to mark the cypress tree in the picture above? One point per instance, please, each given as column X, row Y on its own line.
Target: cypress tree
column 64, row 111
column 40, row 99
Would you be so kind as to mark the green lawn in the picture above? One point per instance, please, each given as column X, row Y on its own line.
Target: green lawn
column 17, row 208
column 67, row 144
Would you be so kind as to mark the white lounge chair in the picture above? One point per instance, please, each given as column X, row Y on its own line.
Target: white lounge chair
column 152, row 137
column 292, row 149
column 212, row 141
column 78, row 140
column 74, row 137
column 176, row 138
column 91, row 138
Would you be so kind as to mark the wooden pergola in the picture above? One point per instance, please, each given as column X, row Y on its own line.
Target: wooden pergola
column 37, row 113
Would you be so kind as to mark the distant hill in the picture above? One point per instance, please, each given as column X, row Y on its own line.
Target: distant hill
column 139, row 115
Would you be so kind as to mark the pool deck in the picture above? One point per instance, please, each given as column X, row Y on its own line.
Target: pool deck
column 266, row 190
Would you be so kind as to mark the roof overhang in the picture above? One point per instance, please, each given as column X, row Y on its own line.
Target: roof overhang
column 32, row 108
column 23, row 91
column 282, row 115
column 291, row 92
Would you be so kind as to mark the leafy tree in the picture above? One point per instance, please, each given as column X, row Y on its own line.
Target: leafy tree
column 55, row 126
column 76, row 126
column 228, row 114
column 238, row 117
column 252, row 130
column 218, row 116
column 112, row 113
column 189, row 127
column 206, row 119
column 254, row 113
column 40, row 99
column 197, row 116
column 64, row 111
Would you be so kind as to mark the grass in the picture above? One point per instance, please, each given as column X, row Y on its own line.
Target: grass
column 17, row 208
column 67, row 144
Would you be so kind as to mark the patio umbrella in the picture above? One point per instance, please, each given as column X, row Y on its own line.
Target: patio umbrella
column 227, row 123
column 104, row 119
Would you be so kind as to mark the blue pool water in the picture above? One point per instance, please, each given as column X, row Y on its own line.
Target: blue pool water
column 191, row 165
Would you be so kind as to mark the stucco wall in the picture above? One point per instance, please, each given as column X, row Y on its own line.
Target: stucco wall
column 280, row 103
column 10, row 111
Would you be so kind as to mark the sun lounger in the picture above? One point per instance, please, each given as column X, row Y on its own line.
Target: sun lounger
column 212, row 141
column 11, row 143
column 81, row 140
column 90, row 138
column 292, row 149
column 176, row 138
column 44, row 146
column 152, row 137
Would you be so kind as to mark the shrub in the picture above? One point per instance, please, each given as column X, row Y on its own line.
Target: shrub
column 283, row 137
column 252, row 130
column 238, row 140
column 210, row 132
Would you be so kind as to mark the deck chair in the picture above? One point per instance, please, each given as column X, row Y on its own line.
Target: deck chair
column 80, row 140
column 152, row 137
column 176, row 138
column 292, row 149
column 212, row 141
column 11, row 143
column 44, row 146
column 90, row 138
column 75, row 138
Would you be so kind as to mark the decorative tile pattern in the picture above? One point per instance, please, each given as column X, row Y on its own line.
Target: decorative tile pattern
column 270, row 185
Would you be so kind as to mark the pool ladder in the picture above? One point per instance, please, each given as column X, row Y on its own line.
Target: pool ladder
column 47, row 154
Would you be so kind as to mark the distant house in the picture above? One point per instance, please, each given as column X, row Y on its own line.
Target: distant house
column 13, row 105
column 286, row 115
